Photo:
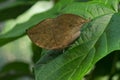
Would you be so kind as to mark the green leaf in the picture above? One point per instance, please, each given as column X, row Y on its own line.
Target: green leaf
column 110, row 39
column 76, row 61
column 89, row 9
column 110, row 3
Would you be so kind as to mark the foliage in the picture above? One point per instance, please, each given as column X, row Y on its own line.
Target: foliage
column 98, row 38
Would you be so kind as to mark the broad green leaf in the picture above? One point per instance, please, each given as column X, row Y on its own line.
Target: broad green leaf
column 89, row 9
column 111, row 3
column 74, row 63
column 110, row 39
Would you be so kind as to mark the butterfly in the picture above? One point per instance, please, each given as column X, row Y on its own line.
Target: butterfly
column 56, row 33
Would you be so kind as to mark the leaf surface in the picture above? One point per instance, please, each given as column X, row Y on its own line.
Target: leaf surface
column 92, row 45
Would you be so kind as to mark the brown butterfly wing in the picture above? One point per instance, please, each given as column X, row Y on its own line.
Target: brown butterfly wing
column 42, row 34
column 56, row 33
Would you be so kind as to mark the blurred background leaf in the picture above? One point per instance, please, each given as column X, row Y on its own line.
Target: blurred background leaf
column 107, row 68
column 16, row 70
column 14, row 8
